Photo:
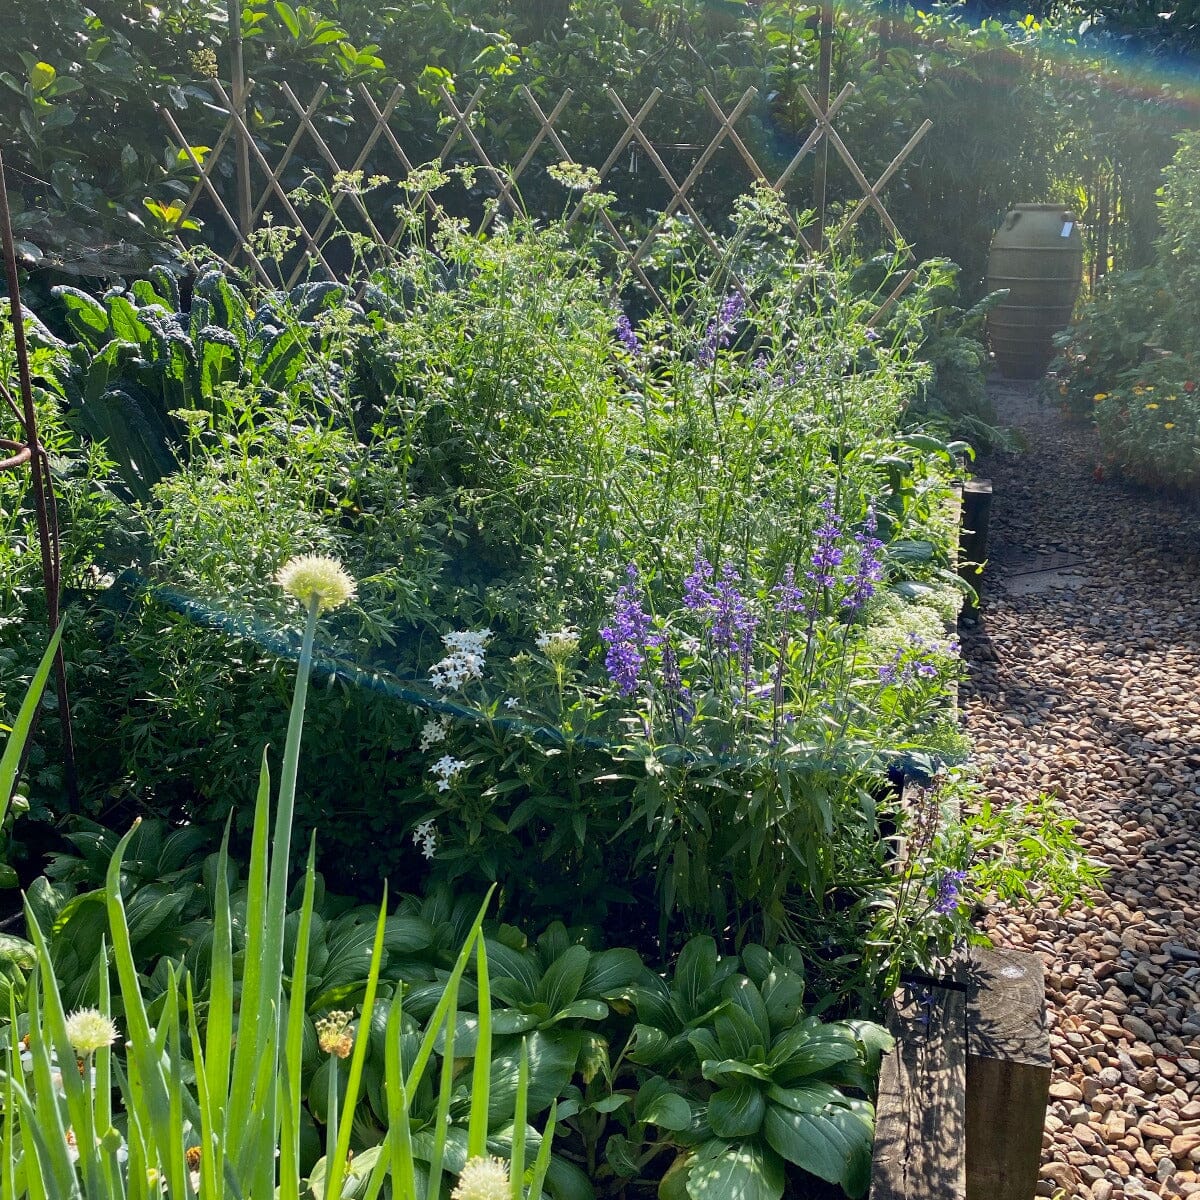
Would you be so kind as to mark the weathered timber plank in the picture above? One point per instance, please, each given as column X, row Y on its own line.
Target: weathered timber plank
column 1008, row 1073
column 920, row 1122
column 975, row 519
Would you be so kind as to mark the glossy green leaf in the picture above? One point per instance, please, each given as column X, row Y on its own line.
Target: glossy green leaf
column 560, row 985
column 736, row 1172
column 657, row 1105
column 737, row 1112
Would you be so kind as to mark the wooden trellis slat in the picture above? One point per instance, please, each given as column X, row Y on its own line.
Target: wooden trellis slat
column 615, row 153
column 679, row 199
column 463, row 136
column 547, row 125
column 323, row 149
column 883, row 179
column 210, row 162
column 273, row 188
column 215, row 196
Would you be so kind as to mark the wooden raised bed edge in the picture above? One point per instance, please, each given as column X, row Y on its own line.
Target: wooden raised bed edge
column 962, row 1097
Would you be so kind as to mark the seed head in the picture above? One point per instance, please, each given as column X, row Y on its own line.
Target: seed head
column 558, row 645
column 310, row 576
column 334, row 1035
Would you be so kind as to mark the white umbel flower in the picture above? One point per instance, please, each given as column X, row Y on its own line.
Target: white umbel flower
column 310, row 576
column 483, row 1179
column 89, row 1030
column 468, row 649
column 446, row 768
column 425, row 838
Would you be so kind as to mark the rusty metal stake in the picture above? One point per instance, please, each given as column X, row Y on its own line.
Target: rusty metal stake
column 43, row 491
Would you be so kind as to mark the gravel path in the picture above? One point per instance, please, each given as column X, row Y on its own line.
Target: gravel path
column 1085, row 682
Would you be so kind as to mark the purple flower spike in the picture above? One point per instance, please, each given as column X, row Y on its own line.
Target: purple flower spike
column 869, row 571
column 716, row 336
column 788, row 597
column 627, row 636
column 734, row 622
column 696, row 593
column 627, row 336
column 948, row 891
column 827, row 554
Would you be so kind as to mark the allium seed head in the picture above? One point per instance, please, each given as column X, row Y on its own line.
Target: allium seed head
column 310, row 576
column 334, row 1035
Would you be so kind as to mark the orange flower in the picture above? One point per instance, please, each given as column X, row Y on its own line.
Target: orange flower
column 1169, row 425
column 1152, row 406
column 1100, row 396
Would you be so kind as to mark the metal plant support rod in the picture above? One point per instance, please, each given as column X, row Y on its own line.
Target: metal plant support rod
column 43, row 489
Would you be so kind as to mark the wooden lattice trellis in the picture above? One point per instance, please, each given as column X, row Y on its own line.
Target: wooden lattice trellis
column 236, row 136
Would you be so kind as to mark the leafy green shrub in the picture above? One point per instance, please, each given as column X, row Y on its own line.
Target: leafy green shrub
column 1149, row 423
column 479, row 446
column 1108, row 338
column 1132, row 356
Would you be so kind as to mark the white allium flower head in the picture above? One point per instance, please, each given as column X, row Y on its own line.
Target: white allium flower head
column 483, row 1179
column 314, row 575
column 89, row 1030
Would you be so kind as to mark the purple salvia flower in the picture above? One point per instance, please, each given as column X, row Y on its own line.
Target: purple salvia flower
column 909, row 663
column 696, row 594
column 626, row 335
column 672, row 679
column 627, row 636
column 728, row 612
column 827, row 555
column 869, row 571
column 788, row 597
column 733, row 623
column 732, row 310
column 948, row 891
column 716, row 336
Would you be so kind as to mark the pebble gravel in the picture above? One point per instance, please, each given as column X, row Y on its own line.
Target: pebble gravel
column 1085, row 683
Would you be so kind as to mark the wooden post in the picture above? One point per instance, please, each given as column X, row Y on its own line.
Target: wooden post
column 1008, row 1074
column 973, row 536
column 237, row 89
column 821, row 164
column 920, row 1123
